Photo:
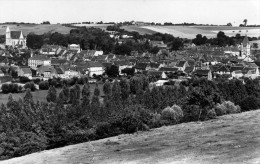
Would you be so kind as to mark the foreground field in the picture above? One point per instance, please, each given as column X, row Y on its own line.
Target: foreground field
column 228, row 139
column 37, row 29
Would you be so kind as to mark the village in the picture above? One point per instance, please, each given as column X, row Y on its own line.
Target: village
column 55, row 61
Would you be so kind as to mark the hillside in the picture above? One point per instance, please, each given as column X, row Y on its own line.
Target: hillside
column 37, row 28
column 190, row 32
column 228, row 139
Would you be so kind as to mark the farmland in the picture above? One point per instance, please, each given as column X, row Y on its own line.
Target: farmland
column 190, row 32
column 36, row 28
column 227, row 139
column 40, row 95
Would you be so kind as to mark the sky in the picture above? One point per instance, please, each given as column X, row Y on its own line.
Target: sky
column 176, row 11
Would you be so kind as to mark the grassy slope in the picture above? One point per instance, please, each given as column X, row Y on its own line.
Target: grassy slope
column 37, row 29
column 228, row 139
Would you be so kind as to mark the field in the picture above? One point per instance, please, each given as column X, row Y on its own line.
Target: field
column 37, row 29
column 228, row 139
column 190, row 32
column 40, row 95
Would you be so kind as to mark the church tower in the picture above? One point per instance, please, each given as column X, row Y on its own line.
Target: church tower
column 245, row 47
column 8, row 33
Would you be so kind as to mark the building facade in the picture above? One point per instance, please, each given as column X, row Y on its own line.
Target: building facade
column 15, row 38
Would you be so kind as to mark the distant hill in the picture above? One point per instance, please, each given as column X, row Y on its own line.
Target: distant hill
column 232, row 138
column 190, row 32
column 35, row 28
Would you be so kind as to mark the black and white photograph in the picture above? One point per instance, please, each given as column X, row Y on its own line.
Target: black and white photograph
column 129, row 81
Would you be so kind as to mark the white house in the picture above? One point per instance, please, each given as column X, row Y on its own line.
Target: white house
column 95, row 68
column 35, row 61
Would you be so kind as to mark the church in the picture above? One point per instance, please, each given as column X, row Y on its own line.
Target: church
column 15, row 38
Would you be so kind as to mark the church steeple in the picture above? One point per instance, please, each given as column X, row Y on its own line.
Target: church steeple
column 8, row 33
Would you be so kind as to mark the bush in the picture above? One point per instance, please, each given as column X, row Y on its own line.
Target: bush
column 211, row 114
column 30, row 85
column 227, row 107
column 103, row 130
column 10, row 88
column 172, row 114
column 44, row 85
column 5, row 88
column 250, row 103
column 191, row 113
column 24, row 79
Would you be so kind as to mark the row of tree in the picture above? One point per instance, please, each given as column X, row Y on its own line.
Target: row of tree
column 77, row 115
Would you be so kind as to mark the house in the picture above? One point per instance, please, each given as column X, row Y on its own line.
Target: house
column 159, row 74
column 1, row 73
column 181, row 65
column 203, row 73
column 74, row 47
column 158, row 44
column 14, row 38
column 237, row 74
column 122, row 65
column 25, row 71
column 168, row 69
column 46, row 71
column 139, row 67
column 59, row 72
column 223, row 70
column 153, row 66
column 38, row 60
column 95, row 68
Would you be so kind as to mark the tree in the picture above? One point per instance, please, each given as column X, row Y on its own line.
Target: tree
column 34, row 41
column 77, row 88
column 176, row 44
column 112, row 71
column 73, row 96
column 51, row 95
column 125, row 89
column 245, row 22
column 229, row 24
column 128, row 71
column 66, row 93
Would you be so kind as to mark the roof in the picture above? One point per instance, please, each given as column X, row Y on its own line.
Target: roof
column 168, row 69
column 141, row 66
column 154, row 65
column 39, row 57
column 59, row 70
column 236, row 68
column 154, row 73
column 223, row 69
column 26, row 70
column 189, row 69
column 203, row 72
column 94, row 64
column 180, row 64
column 15, row 34
column 4, row 79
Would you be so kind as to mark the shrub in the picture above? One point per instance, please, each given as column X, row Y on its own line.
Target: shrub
column 24, row 79
column 191, row 113
column 5, row 88
column 103, row 130
column 30, row 85
column 250, row 103
column 173, row 114
column 10, row 88
column 44, row 85
column 211, row 114
column 227, row 107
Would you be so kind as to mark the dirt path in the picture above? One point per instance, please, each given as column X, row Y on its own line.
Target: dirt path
column 228, row 139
